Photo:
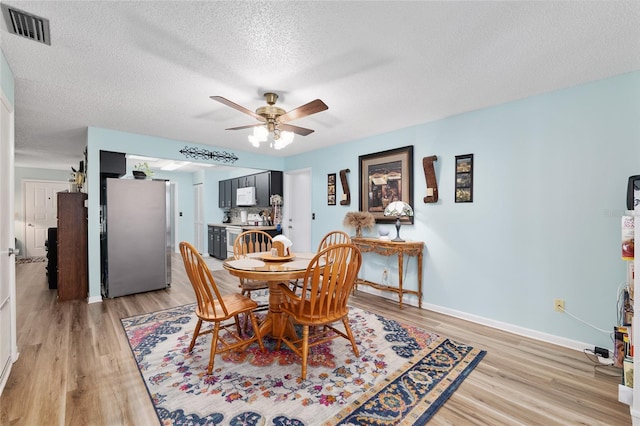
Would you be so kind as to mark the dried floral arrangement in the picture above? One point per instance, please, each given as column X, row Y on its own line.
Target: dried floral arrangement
column 359, row 220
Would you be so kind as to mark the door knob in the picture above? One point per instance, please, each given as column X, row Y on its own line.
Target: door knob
column 14, row 251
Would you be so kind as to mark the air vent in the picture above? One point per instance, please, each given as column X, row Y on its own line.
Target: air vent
column 26, row 25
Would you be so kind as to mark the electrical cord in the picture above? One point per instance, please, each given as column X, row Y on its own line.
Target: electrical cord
column 585, row 322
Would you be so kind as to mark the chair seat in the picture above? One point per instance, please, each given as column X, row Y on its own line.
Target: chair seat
column 305, row 317
column 235, row 303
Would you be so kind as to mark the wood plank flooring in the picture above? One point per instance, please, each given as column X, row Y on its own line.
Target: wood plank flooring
column 76, row 368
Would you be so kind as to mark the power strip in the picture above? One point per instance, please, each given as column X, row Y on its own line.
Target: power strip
column 605, row 361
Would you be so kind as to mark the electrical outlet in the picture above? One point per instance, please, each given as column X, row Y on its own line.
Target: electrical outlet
column 558, row 305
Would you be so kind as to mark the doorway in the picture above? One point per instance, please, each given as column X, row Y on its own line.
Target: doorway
column 8, row 341
column 40, row 213
column 296, row 209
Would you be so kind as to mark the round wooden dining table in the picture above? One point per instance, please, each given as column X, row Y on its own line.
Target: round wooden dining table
column 262, row 267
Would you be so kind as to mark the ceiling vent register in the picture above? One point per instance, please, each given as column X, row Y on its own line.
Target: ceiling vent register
column 27, row 25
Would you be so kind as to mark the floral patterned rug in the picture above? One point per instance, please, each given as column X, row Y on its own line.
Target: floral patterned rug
column 402, row 376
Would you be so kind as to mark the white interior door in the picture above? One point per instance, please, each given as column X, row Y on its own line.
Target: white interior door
column 40, row 212
column 198, row 232
column 297, row 209
column 8, row 341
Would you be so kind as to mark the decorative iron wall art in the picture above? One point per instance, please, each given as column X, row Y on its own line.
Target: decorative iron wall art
column 205, row 154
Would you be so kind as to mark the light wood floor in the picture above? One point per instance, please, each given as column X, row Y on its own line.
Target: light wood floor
column 76, row 368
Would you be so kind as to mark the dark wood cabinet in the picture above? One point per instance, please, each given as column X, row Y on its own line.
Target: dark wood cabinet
column 266, row 183
column 217, row 242
column 224, row 194
column 72, row 246
column 210, row 239
column 263, row 181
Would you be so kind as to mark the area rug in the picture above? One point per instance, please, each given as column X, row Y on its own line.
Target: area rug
column 402, row 376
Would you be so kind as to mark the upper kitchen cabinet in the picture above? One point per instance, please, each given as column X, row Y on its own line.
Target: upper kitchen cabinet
column 247, row 181
column 268, row 184
column 225, row 193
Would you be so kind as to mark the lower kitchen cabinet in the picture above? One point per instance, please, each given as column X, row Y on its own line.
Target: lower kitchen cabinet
column 217, row 238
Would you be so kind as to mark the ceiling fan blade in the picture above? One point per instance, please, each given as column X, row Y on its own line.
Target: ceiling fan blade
column 304, row 110
column 235, row 106
column 248, row 126
column 295, row 129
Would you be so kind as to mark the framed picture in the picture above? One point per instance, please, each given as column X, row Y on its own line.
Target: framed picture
column 331, row 189
column 385, row 177
column 464, row 178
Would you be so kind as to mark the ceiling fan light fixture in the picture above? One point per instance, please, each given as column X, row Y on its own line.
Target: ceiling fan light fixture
column 260, row 133
column 254, row 141
column 285, row 139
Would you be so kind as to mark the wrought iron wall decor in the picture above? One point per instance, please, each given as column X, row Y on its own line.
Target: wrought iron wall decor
column 205, row 154
column 430, row 178
column 346, row 194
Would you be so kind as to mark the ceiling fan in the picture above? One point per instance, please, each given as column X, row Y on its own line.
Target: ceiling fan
column 273, row 119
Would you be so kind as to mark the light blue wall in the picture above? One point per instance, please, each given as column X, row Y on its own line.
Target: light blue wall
column 550, row 176
column 111, row 140
column 7, row 81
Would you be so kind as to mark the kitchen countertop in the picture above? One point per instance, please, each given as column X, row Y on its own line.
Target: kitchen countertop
column 258, row 227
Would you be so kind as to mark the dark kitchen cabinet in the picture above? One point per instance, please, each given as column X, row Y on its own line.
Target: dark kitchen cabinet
column 266, row 183
column 210, row 239
column 234, row 189
column 225, row 194
column 247, row 181
column 262, row 188
column 217, row 246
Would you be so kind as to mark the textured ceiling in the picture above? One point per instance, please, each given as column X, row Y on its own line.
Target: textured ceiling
column 150, row 67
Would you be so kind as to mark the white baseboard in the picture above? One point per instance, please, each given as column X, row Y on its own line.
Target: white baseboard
column 95, row 299
column 412, row 300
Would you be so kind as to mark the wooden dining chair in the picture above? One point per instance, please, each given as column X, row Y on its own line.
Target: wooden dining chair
column 254, row 241
column 251, row 242
column 331, row 238
column 323, row 300
column 334, row 237
column 215, row 308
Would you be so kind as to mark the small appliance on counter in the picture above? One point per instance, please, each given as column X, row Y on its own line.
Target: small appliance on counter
column 243, row 217
column 226, row 217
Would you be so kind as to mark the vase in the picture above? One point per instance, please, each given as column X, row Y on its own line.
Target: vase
column 359, row 232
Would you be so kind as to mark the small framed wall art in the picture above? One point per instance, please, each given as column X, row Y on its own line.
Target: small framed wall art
column 331, row 189
column 464, row 178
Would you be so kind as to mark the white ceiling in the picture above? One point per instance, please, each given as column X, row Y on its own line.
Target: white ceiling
column 149, row 67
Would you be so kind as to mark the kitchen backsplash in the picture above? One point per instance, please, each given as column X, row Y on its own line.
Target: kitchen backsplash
column 234, row 214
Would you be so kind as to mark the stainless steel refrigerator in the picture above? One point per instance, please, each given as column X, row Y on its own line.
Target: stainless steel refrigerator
column 136, row 246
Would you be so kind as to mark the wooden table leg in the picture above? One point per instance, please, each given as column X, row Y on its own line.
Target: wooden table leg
column 274, row 320
column 400, row 265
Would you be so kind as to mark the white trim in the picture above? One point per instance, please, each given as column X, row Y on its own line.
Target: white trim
column 13, row 341
column 499, row 325
column 94, row 299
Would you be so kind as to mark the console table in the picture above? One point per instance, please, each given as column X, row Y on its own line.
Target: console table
column 390, row 248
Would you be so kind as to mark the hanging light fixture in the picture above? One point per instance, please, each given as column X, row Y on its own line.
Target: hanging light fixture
column 261, row 134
